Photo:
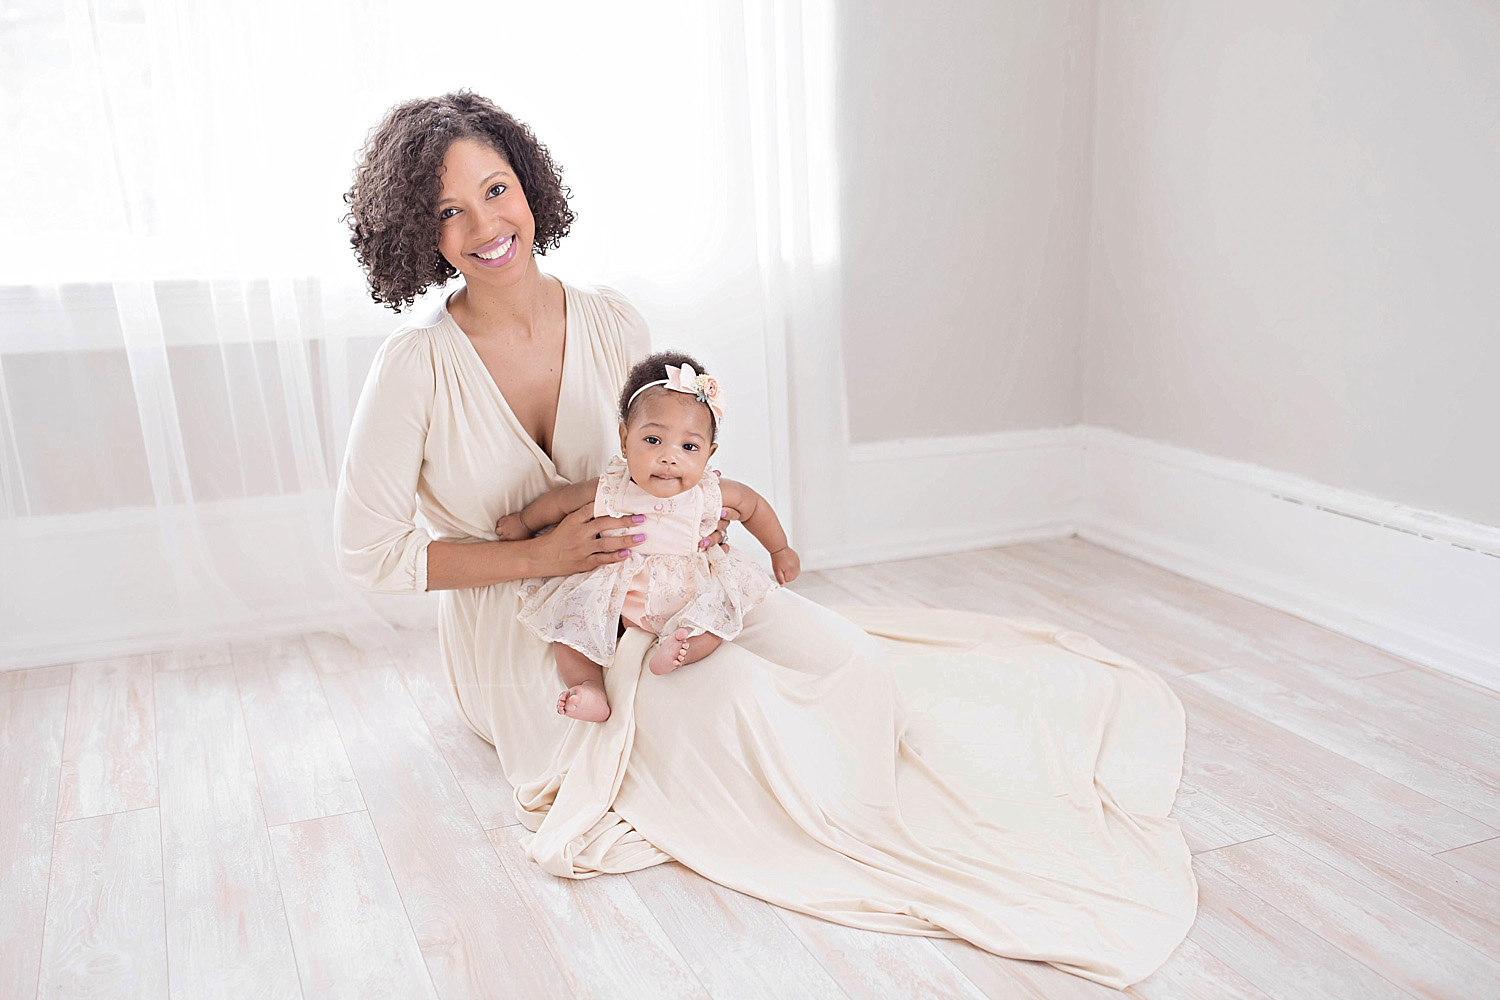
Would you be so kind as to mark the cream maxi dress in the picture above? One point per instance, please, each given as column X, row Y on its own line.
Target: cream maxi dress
column 923, row 772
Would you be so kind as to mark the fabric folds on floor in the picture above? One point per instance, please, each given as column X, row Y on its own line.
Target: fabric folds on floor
column 937, row 773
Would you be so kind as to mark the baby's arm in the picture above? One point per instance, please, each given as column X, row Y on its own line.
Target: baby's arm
column 751, row 508
column 546, row 510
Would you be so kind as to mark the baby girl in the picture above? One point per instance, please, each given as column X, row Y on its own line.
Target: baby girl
column 691, row 598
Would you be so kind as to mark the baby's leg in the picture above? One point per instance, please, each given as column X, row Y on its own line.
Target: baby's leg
column 678, row 649
column 584, row 699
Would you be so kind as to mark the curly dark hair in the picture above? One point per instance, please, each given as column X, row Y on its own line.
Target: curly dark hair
column 653, row 368
column 393, row 202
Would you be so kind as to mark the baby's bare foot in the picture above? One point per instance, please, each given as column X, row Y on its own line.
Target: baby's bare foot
column 671, row 651
column 584, row 701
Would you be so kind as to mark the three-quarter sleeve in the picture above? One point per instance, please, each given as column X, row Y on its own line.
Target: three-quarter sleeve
column 380, row 547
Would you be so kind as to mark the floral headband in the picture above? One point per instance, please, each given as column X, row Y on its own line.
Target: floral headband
column 684, row 379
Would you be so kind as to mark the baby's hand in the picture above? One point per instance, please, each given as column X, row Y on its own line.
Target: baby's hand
column 510, row 529
column 786, row 565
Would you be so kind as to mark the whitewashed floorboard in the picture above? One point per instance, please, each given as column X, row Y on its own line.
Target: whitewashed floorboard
column 1403, row 949
column 333, row 654
column 1208, row 822
column 1003, row 978
column 737, row 945
column 36, row 677
column 475, row 934
column 191, row 658
column 1480, row 861
column 104, row 912
column 31, row 743
column 1462, row 905
column 1291, row 760
column 870, row 966
column 1278, row 955
column 227, row 934
column 1447, row 697
column 474, row 761
column 605, row 939
column 109, row 754
column 1192, row 973
column 1355, row 737
column 349, row 928
column 300, row 762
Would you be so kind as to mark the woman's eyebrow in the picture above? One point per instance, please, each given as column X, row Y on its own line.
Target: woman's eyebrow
column 483, row 183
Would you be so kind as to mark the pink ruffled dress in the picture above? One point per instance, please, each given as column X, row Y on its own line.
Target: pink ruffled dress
column 667, row 583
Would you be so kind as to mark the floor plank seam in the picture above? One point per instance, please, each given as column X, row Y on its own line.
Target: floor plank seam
column 314, row 819
column 122, row 812
column 1237, row 843
column 1460, row 847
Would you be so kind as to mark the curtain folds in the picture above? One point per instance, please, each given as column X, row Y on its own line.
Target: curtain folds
column 183, row 331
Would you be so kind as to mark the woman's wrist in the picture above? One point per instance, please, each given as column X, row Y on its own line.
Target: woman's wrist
column 465, row 565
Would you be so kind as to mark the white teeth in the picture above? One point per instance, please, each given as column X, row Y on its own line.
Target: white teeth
column 496, row 253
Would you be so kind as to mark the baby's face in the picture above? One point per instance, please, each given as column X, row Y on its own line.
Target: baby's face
column 668, row 442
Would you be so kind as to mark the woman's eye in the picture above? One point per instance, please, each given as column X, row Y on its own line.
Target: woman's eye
column 497, row 190
column 652, row 439
column 447, row 213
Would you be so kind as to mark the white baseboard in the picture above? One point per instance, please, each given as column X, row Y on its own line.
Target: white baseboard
column 1418, row 584
column 938, row 495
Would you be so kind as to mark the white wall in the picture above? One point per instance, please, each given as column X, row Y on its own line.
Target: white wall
column 1296, row 240
column 964, row 132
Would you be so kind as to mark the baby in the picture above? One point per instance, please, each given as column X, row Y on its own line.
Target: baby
column 690, row 598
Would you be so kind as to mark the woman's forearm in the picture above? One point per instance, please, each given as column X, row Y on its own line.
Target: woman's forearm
column 460, row 565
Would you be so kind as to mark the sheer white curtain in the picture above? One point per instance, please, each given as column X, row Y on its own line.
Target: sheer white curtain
column 183, row 331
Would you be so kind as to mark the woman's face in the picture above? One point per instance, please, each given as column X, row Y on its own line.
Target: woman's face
column 485, row 228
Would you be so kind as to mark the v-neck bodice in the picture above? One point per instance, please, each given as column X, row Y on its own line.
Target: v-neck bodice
column 508, row 410
column 470, row 456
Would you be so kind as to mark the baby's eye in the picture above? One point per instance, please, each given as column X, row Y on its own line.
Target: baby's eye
column 690, row 446
column 652, row 439
column 497, row 190
column 447, row 213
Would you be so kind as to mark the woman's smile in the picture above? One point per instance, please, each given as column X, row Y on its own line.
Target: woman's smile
column 496, row 253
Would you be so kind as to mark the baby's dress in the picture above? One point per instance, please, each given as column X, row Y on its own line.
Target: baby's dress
column 667, row 583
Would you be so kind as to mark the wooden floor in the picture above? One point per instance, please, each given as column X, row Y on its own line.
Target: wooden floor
column 301, row 819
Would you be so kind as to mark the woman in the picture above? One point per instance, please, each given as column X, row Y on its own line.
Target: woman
column 1021, row 800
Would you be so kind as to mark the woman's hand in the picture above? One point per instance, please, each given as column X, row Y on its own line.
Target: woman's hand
column 583, row 542
column 786, row 564
column 720, row 535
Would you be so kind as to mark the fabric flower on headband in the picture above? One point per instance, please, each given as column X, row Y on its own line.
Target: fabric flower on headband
column 705, row 387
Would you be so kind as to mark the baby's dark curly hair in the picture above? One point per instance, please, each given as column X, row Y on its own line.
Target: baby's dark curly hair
column 653, row 368
column 393, row 214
